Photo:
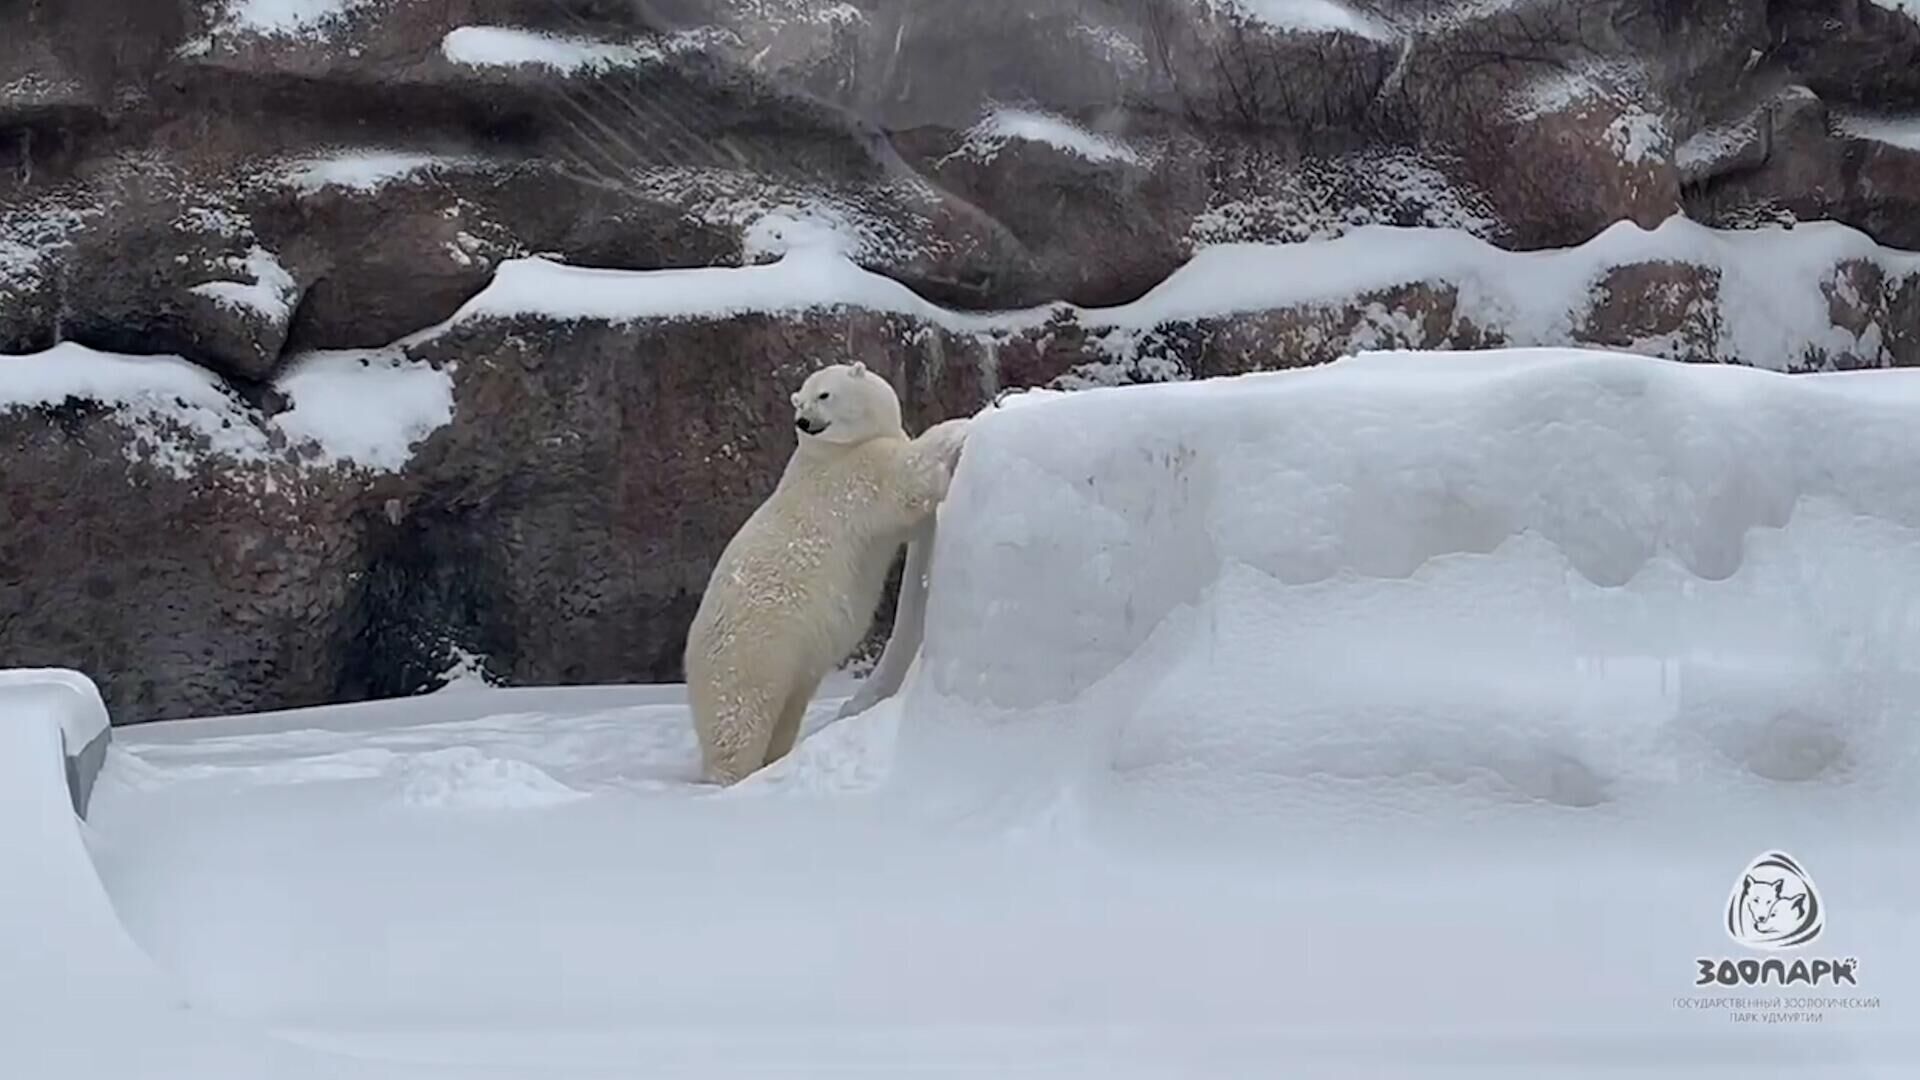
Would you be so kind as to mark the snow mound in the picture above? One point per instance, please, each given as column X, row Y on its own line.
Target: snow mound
column 850, row 755
column 69, row 969
column 67, row 695
column 57, row 927
column 465, row 777
column 1404, row 588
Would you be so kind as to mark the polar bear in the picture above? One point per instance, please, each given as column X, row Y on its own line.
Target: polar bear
column 797, row 587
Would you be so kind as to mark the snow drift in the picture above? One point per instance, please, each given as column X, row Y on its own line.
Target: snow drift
column 1410, row 589
column 32, row 696
column 74, row 988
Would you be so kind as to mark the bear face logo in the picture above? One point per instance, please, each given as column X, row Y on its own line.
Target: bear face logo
column 1774, row 905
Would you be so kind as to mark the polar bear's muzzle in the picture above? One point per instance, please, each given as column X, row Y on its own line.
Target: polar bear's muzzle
column 809, row 425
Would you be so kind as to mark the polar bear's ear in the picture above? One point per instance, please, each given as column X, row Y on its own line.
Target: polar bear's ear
column 859, row 368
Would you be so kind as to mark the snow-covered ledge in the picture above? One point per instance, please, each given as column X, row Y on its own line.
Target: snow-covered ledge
column 70, row 700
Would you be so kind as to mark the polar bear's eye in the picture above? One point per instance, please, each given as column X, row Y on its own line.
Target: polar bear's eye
column 824, row 394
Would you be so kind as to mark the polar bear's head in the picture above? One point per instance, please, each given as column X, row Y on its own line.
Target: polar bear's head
column 845, row 404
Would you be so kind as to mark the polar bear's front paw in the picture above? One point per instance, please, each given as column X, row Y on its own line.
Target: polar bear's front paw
column 947, row 439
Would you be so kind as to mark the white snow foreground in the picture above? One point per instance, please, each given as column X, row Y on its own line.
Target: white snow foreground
column 78, row 998
column 1414, row 715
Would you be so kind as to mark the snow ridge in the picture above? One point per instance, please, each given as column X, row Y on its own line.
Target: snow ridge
column 1772, row 302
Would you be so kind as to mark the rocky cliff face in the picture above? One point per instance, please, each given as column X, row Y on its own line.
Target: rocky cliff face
column 306, row 397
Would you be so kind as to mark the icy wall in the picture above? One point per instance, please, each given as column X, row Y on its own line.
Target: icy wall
column 302, row 400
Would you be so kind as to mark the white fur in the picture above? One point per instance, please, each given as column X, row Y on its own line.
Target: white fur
column 797, row 587
column 909, row 625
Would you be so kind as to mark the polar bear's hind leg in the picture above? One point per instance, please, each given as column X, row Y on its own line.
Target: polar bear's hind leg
column 736, row 732
column 786, row 729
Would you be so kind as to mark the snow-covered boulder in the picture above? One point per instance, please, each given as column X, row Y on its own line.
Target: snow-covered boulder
column 1407, row 589
column 191, row 553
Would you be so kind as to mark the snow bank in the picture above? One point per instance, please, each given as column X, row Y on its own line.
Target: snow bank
column 78, row 998
column 357, row 407
column 54, row 916
column 1772, row 303
column 67, row 695
column 1411, row 589
column 74, row 703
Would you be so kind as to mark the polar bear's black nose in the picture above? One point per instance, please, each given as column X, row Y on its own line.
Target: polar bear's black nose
column 808, row 426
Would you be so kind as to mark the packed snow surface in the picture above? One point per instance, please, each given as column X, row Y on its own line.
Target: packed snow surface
column 1413, row 715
